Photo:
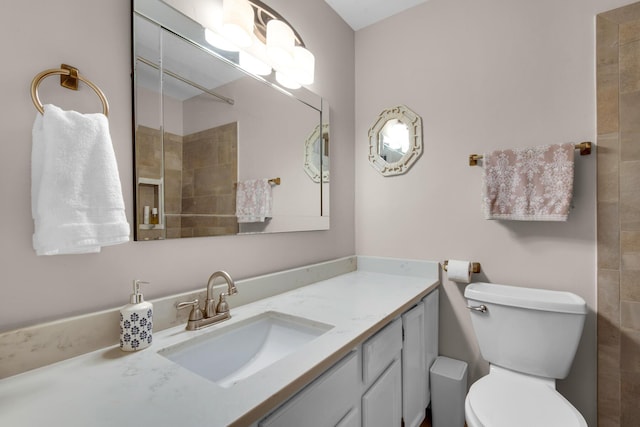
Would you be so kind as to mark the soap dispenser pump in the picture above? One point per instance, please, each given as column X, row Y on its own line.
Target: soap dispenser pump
column 136, row 321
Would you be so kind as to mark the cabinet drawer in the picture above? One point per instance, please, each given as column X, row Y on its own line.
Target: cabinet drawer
column 380, row 350
column 323, row 402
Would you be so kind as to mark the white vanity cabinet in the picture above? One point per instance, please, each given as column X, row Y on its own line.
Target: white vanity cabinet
column 324, row 402
column 414, row 367
column 382, row 403
column 382, row 377
column 384, row 381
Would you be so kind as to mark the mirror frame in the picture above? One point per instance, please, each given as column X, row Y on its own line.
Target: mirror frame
column 413, row 122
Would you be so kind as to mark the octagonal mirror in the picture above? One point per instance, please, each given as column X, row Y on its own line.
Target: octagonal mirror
column 395, row 141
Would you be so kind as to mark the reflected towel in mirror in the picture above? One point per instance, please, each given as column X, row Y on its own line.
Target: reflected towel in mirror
column 254, row 200
column 76, row 195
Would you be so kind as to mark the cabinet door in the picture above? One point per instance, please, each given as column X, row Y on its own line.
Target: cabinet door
column 414, row 374
column 352, row 419
column 324, row 402
column 382, row 403
column 431, row 316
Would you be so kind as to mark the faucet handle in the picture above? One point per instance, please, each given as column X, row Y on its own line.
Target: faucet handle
column 223, row 306
column 196, row 313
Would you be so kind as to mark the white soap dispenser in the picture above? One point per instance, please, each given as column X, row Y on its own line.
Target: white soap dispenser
column 136, row 321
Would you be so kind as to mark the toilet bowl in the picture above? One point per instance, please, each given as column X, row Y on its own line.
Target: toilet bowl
column 529, row 337
column 501, row 397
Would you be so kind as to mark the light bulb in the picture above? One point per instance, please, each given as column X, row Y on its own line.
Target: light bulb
column 280, row 43
column 237, row 22
column 219, row 42
column 303, row 65
column 253, row 64
column 286, row 81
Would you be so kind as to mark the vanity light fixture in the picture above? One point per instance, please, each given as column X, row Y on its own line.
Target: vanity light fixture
column 266, row 42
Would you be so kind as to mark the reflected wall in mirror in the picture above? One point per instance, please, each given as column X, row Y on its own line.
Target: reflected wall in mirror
column 395, row 141
column 203, row 124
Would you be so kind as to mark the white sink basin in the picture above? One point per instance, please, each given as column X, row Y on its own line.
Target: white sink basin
column 238, row 351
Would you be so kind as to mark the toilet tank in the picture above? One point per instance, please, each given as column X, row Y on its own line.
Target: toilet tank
column 534, row 331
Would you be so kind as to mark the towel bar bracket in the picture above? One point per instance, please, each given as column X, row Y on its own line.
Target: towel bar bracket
column 70, row 81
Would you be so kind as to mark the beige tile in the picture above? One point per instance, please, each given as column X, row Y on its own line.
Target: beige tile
column 608, row 295
column 630, row 210
column 186, row 232
column 630, row 285
column 199, row 153
column 629, row 112
column 623, row 14
column 608, row 98
column 148, row 153
column 608, row 236
column 199, row 205
column 607, row 76
column 608, row 399
column 630, row 315
column 226, row 204
column 630, row 396
column 609, row 334
column 630, row 247
column 607, row 35
column 630, row 350
column 630, row 67
column 630, row 145
column 172, row 152
column 204, row 181
column 608, row 170
column 629, row 32
column 608, row 359
column 629, row 176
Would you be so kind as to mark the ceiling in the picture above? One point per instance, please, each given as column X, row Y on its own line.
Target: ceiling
column 361, row 13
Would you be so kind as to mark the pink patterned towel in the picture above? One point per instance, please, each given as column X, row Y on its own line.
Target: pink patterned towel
column 253, row 200
column 529, row 184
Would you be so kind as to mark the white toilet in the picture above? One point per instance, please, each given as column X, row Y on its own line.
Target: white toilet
column 529, row 337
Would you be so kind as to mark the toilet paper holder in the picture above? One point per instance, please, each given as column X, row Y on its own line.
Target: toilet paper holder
column 475, row 266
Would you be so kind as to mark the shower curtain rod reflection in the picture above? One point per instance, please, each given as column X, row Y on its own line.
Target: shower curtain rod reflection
column 187, row 81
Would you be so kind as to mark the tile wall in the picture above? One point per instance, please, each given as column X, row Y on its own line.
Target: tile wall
column 200, row 174
column 209, row 175
column 618, row 89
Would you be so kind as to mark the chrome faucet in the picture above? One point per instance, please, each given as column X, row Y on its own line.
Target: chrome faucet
column 212, row 314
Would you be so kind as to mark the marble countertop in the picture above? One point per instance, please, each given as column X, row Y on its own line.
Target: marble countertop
column 109, row 387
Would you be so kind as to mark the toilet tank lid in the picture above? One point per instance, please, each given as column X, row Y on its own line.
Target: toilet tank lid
column 531, row 298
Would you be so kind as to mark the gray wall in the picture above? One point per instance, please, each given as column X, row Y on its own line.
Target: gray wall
column 94, row 36
column 483, row 76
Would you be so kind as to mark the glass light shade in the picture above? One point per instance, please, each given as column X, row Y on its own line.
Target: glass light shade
column 237, row 22
column 287, row 81
column 303, row 65
column 219, row 42
column 253, row 64
column 280, row 43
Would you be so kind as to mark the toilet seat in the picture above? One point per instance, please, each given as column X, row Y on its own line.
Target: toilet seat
column 507, row 400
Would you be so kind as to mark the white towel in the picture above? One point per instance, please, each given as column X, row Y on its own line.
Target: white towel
column 253, row 200
column 76, row 196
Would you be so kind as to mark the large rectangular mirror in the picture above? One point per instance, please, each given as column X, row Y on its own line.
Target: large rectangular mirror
column 203, row 125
